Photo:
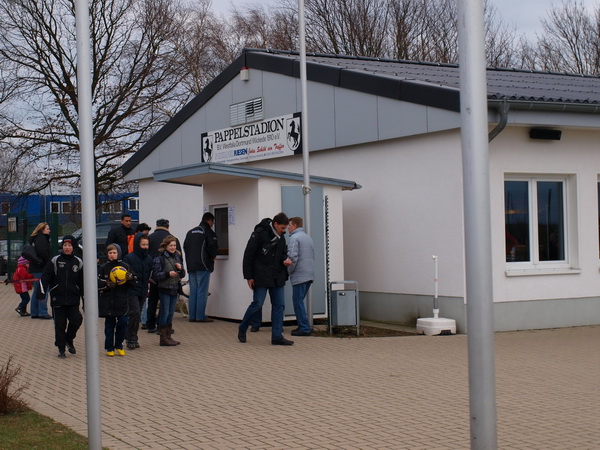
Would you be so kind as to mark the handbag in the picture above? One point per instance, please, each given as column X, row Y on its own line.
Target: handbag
column 31, row 255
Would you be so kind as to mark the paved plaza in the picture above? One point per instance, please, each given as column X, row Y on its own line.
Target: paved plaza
column 212, row 392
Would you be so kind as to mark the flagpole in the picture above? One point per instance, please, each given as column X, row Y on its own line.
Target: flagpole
column 88, row 210
column 304, row 139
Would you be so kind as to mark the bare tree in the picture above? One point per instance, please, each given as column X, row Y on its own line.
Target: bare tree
column 570, row 41
column 135, row 86
column 350, row 27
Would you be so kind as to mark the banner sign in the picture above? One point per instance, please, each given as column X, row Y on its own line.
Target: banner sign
column 270, row 138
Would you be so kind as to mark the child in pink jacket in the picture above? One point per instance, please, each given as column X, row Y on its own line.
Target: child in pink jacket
column 23, row 283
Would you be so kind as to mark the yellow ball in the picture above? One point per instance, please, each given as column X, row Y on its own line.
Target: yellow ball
column 118, row 275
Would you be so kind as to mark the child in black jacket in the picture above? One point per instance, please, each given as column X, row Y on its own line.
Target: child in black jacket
column 113, row 301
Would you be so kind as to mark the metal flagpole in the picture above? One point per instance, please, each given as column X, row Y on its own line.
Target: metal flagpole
column 476, row 193
column 304, row 130
column 88, row 207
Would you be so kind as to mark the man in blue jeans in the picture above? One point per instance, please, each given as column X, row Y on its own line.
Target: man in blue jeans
column 264, row 265
column 301, row 255
column 201, row 247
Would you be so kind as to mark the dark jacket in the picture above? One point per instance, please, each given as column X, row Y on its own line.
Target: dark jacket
column 63, row 278
column 162, row 265
column 118, row 235
column 41, row 242
column 156, row 238
column 201, row 248
column 113, row 302
column 264, row 256
column 141, row 263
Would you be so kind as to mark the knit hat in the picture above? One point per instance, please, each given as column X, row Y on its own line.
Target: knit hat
column 70, row 239
column 22, row 261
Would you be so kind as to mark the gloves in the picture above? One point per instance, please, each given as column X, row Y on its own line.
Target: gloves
column 129, row 276
column 110, row 284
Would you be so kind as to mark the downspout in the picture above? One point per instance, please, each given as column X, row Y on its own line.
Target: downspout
column 503, row 109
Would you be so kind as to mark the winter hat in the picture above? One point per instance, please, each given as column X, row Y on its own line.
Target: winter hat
column 70, row 239
column 22, row 261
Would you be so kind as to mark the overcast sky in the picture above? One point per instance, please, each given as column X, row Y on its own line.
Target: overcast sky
column 525, row 14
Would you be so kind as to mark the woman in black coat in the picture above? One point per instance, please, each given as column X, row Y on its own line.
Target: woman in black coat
column 40, row 239
column 113, row 301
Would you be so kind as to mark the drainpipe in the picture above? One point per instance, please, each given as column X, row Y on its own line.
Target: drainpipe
column 503, row 109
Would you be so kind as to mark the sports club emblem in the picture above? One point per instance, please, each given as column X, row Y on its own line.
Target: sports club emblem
column 207, row 147
column 293, row 133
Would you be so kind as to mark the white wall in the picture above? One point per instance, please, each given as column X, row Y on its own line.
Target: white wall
column 181, row 205
column 577, row 155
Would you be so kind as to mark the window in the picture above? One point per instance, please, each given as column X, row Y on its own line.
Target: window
column 55, row 207
column 5, row 207
column 66, row 207
column 133, row 204
column 535, row 220
column 109, row 208
column 222, row 228
column 77, row 207
column 246, row 112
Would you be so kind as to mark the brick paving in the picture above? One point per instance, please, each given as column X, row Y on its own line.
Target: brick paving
column 212, row 392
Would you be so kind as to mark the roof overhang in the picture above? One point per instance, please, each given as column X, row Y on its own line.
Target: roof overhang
column 208, row 173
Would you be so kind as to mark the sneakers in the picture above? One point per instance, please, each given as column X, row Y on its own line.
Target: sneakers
column 120, row 352
column 71, row 348
column 110, row 353
column 21, row 312
column 282, row 341
column 61, row 353
column 301, row 333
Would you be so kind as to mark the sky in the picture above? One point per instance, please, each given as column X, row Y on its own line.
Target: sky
column 525, row 14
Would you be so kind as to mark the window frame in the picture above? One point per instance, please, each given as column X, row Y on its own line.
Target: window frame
column 570, row 262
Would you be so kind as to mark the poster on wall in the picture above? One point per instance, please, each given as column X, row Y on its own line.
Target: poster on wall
column 269, row 138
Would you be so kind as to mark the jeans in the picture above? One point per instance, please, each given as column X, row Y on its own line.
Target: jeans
column 299, row 291
column 67, row 320
column 38, row 307
column 198, row 293
column 277, row 306
column 24, row 301
column 114, row 332
column 144, row 312
column 133, row 318
column 168, row 303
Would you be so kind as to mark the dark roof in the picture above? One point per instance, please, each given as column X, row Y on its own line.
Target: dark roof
column 429, row 84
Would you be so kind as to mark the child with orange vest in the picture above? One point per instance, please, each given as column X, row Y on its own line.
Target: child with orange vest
column 23, row 283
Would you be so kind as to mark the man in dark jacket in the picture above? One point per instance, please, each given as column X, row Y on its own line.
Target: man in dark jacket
column 119, row 234
column 201, row 249
column 264, row 265
column 160, row 233
column 63, row 279
column 141, row 264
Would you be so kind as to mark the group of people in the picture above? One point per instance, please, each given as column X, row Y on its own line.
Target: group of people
column 153, row 267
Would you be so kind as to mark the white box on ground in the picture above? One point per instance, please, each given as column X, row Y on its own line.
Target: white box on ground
column 433, row 326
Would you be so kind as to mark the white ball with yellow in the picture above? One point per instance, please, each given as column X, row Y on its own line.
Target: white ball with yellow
column 118, row 275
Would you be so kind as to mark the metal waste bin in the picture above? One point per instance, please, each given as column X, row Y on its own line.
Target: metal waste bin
column 343, row 306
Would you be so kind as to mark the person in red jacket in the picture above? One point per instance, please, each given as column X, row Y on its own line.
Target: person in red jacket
column 23, row 283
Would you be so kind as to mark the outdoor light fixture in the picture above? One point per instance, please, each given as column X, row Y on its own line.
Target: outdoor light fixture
column 545, row 133
column 245, row 74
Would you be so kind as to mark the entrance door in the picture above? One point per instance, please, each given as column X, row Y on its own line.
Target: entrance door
column 292, row 201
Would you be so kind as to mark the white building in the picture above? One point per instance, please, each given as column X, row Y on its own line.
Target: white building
column 392, row 127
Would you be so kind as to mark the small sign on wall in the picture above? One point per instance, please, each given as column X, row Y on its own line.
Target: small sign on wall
column 231, row 215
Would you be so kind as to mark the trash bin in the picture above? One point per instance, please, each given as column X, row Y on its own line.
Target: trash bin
column 344, row 306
